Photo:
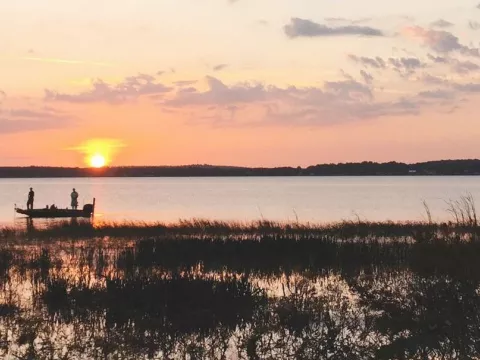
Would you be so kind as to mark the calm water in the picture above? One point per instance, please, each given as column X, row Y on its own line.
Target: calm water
column 318, row 199
column 191, row 299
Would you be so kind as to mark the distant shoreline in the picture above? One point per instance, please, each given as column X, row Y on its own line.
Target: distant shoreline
column 234, row 176
column 431, row 168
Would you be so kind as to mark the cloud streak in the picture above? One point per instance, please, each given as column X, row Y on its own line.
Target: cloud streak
column 367, row 77
column 441, row 41
column 474, row 25
column 306, row 28
column 220, row 67
column 129, row 89
column 405, row 66
column 377, row 62
column 19, row 120
column 441, row 23
column 457, row 66
column 65, row 61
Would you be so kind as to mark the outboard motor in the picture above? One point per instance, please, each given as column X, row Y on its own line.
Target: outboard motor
column 88, row 209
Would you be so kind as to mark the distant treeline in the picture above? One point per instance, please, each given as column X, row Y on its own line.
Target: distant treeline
column 367, row 168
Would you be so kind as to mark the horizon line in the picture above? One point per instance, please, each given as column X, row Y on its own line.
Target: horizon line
column 237, row 166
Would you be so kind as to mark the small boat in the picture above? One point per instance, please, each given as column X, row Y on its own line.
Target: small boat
column 87, row 211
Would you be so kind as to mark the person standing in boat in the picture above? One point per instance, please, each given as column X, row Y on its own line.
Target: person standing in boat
column 74, row 196
column 31, row 195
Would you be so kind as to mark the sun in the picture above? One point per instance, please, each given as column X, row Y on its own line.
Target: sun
column 100, row 152
column 97, row 161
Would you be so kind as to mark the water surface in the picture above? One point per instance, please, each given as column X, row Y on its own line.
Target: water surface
column 317, row 199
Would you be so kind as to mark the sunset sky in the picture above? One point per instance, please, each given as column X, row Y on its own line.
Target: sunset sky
column 238, row 82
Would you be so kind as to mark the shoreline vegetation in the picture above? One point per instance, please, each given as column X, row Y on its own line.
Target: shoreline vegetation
column 463, row 227
column 201, row 228
column 366, row 168
column 200, row 289
column 262, row 248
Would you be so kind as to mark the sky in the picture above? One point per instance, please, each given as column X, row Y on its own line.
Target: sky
column 238, row 82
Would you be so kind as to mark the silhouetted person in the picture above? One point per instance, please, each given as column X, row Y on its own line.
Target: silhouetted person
column 31, row 195
column 74, row 196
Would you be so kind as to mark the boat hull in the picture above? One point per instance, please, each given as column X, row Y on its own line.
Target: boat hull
column 54, row 213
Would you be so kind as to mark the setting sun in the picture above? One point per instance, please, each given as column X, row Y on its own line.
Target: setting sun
column 99, row 152
column 97, row 161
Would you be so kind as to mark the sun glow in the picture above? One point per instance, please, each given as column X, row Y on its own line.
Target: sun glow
column 99, row 152
column 97, row 161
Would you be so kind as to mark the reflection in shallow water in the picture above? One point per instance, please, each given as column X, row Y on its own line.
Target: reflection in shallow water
column 151, row 299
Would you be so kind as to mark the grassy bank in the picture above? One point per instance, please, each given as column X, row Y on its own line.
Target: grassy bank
column 262, row 248
column 346, row 230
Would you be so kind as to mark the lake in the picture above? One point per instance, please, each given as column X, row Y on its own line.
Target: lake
column 314, row 199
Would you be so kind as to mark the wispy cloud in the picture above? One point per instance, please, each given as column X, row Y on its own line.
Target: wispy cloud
column 367, row 77
column 464, row 67
column 307, row 28
column 334, row 102
column 129, row 89
column 441, row 23
column 470, row 87
column 17, row 120
column 345, row 20
column 182, row 83
column 474, row 25
column 241, row 103
column 65, row 61
column 437, row 94
column 376, row 62
column 438, row 59
column 220, row 67
column 457, row 66
column 406, row 66
column 440, row 41
column 432, row 79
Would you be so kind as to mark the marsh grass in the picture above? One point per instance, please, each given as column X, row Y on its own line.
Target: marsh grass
column 463, row 210
column 136, row 310
column 192, row 296
column 262, row 256
column 465, row 228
